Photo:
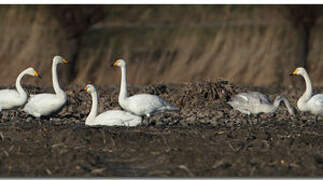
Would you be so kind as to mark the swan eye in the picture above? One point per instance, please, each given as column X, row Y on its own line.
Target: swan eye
column 115, row 63
column 65, row 61
column 36, row 74
column 294, row 72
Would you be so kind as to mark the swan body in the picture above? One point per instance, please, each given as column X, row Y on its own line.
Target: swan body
column 308, row 101
column 146, row 104
column 256, row 102
column 108, row 118
column 10, row 98
column 140, row 104
column 45, row 104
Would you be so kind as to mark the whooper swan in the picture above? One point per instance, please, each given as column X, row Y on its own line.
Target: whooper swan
column 256, row 102
column 108, row 118
column 46, row 104
column 10, row 98
column 140, row 104
column 308, row 101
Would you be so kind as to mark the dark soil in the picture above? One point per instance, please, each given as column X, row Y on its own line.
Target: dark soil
column 206, row 138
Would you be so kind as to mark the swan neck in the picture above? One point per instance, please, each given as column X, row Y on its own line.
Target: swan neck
column 20, row 90
column 123, row 86
column 56, row 86
column 289, row 107
column 94, row 109
column 276, row 104
column 308, row 92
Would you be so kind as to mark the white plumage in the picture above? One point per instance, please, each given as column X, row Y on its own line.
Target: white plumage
column 140, row 104
column 308, row 101
column 108, row 118
column 10, row 98
column 256, row 102
column 45, row 104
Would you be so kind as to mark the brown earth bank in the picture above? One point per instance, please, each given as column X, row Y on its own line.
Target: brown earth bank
column 246, row 44
column 206, row 138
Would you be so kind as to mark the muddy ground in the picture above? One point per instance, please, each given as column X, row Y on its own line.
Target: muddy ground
column 206, row 138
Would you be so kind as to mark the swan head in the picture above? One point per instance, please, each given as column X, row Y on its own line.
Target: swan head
column 59, row 59
column 120, row 63
column 89, row 88
column 31, row 71
column 290, row 108
column 298, row 71
column 278, row 99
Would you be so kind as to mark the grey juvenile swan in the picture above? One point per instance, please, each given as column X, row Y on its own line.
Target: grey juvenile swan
column 256, row 102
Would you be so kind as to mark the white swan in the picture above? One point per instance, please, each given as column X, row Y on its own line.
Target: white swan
column 108, row 118
column 140, row 104
column 45, row 104
column 256, row 102
column 308, row 101
column 10, row 98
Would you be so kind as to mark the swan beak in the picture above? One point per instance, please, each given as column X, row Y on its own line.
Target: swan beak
column 293, row 73
column 115, row 64
column 83, row 89
column 65, row 61
column 37, row 75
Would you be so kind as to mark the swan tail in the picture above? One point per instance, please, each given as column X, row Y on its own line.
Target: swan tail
column 232, row 104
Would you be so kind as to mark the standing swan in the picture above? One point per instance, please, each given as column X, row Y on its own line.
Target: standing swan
column 108, row 118
column 307, row 102
column 140, row 104
column 10, row 98
column 256, row 102
column 45, row 104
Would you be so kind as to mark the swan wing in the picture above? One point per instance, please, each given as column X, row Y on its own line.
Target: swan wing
column 147, row 104
column 117, row 118
column 44, row 104
column 250, row 102
column 10, row 98
column 252, row 98
column 317, row 100
column 258, row 97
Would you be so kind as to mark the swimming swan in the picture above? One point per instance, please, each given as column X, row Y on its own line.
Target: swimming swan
column 108, row 118
column 256, row 102
column 10, row 98
column 45, row 104
column 307, row 102
column 140, row 104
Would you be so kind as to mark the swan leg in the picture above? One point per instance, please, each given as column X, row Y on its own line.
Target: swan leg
column 148, row 119
column 144, row 122
column 249, row 121
column 245, row 118
column 257, row 118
